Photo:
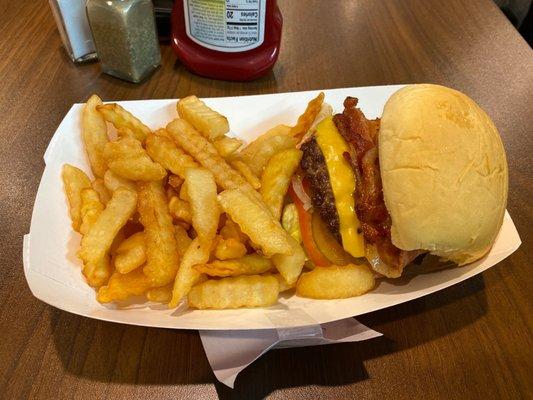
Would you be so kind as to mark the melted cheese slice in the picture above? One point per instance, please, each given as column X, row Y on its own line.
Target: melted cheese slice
column 342, row 180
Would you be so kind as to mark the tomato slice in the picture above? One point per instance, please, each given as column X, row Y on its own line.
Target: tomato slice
column 306, row 228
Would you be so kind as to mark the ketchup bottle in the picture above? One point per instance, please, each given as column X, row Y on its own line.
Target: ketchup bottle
column 227, row 39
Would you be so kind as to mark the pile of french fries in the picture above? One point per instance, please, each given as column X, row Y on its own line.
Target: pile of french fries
column 183, row 212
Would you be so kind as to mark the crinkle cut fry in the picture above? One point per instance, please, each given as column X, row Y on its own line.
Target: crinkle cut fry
column 205, row 153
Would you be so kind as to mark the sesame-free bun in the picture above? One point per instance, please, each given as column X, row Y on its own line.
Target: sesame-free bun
column 444, row 173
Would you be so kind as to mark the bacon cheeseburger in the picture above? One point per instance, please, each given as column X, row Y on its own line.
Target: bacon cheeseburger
column 430, row 176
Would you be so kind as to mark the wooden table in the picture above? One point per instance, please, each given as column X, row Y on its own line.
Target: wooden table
column 472, row 340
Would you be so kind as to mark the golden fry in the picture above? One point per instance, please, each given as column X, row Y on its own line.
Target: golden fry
column 256, row 222
column 74, row 180
column 255, row 264
column 235, row 292
column 169, row 155
column 122, row 286
column 112, row 182
column 97, row 273
column 184, row 225
column 130, row 254
column 160, row 243
column 290, row 266
column 283, row 285
column 277, row 130
column 97, row 242
column 99, row 185
column 251, row 264
column 183, row 241
column 257, row 153
column 187, row 276
column 205, row 153
column 246, row 173
column 219, row 268
column 306, row 119
column 125, row 133
column 183, row 195
column 119, row 238
column 231, row 230
column 229, row 248
column 122, row 119
column 277, row 177
column 91, row 208
column 226, row 146
column 205, row 212
column 161, row 294
column 127, row 158
column 208, row 122
column 161, row 132
column 335, row 282
column 180, row 210
column 94, row 134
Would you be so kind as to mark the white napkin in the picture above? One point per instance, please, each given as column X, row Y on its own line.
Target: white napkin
column 229, row 352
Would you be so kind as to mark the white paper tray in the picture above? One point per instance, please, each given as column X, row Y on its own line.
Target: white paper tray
column 54, row 273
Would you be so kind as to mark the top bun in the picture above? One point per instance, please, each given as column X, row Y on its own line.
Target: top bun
column 444, row 173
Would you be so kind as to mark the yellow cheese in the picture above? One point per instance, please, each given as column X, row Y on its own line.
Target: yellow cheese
column 342, row 180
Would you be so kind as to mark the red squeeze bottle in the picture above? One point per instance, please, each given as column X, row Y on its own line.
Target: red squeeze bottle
column 227, row 39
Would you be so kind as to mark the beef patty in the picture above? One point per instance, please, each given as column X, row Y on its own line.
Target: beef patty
column 314, row 166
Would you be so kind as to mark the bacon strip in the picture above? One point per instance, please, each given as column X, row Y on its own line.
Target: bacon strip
column 361, row 135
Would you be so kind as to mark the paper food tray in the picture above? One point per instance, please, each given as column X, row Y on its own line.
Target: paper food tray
column 54, row 273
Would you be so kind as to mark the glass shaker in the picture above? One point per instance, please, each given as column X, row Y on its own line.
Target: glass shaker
column 125, row 36
column 71, row 20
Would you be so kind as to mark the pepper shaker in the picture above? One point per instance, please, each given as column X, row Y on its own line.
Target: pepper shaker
column 125, row 36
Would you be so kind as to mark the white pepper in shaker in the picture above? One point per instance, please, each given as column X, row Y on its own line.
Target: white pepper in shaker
column 125, row 36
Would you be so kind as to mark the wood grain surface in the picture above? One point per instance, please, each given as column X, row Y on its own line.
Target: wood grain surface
column 472, row 340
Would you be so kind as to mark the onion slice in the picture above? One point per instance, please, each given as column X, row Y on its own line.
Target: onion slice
column 300, row 192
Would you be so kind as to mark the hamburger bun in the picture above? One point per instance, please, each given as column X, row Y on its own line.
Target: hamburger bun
column 444, row 173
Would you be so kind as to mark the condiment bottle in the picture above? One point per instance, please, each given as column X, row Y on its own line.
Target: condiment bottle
column 74, row 30
column 163, row 10
column 125, row 36
column 227, row 39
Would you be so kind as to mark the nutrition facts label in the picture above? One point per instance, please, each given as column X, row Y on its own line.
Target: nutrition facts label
column 225, row 25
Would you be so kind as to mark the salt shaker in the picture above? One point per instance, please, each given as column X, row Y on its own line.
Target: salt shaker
column 71, row 20
column 125, row 36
